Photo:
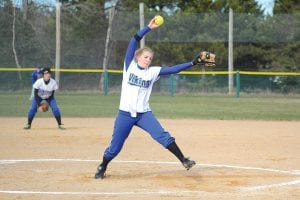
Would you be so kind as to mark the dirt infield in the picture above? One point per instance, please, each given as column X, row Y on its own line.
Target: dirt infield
column 235, row 160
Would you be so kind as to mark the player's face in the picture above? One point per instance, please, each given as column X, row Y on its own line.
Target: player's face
column 145, row 59
column 46, row 76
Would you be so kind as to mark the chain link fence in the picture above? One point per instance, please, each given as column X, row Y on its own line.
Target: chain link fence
column 28, row 37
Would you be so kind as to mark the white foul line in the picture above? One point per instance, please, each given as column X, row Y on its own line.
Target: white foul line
column 296, row 172
column 159, row 192
column 290, row 183
column 252, row 188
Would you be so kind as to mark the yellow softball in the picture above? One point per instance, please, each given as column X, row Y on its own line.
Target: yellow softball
column 159, row 20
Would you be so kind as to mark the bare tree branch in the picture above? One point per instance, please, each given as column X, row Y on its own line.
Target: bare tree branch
column 13, row 44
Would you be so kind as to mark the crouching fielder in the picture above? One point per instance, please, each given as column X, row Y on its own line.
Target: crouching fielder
column 134, row 110
column 44, row 89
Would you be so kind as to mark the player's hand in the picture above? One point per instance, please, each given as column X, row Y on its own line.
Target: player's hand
column 43, row 106
column 152, row 24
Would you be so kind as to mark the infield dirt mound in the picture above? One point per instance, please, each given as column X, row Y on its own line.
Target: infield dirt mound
column 235, row 160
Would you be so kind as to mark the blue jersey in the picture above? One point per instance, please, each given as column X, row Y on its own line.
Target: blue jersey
column 35, row 75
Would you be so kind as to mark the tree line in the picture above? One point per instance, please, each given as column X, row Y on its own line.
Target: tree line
column 190, row 26
column 84, row 28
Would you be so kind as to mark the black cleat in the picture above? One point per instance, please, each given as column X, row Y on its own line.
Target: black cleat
column 100, row 172
column 188, row 164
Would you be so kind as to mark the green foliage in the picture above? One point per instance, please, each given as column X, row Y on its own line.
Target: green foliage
column 260, row 42
column 286, row 6
column 83, row 31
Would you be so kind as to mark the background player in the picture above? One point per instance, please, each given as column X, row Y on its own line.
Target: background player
column 134, row 110
column 44, row 89
column 35, row 75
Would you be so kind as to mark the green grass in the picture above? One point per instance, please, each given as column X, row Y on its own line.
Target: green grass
column 181, row 106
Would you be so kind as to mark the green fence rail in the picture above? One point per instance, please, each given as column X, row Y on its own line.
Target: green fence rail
column 185, row 81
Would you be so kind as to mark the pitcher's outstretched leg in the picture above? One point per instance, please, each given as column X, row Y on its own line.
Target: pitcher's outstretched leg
column 101, row 169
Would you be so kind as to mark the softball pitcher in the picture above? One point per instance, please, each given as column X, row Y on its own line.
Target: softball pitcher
column 134, row 110
column 44, row 89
